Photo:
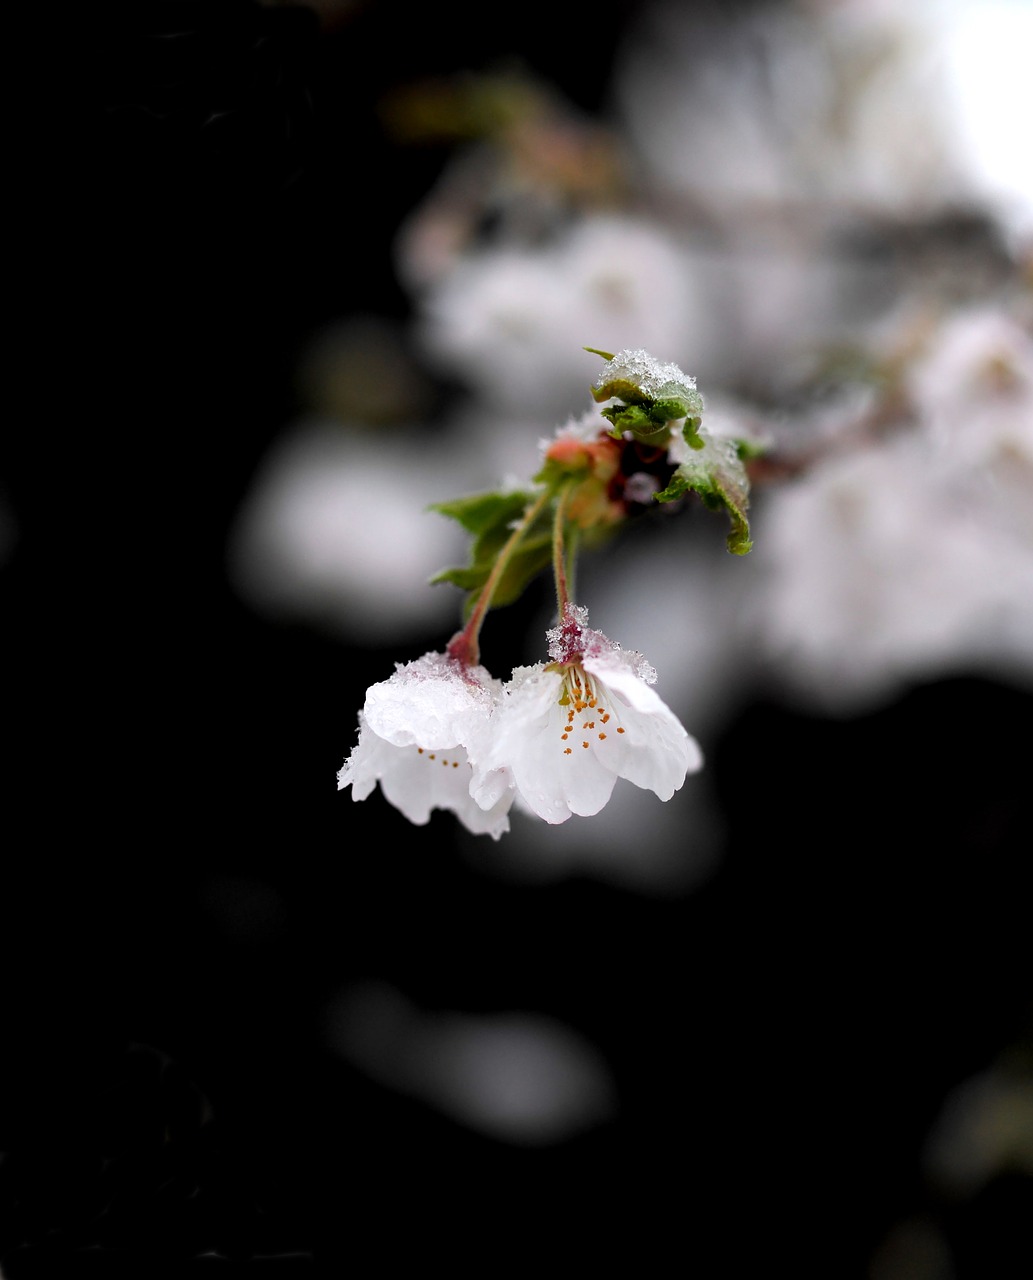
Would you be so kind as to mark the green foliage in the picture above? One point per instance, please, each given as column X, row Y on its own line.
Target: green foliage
column 690, row 431
column 647, row 417
column 490, row 517
column 641, row 420
column 516, row 533
column 715, row 471
column 620, row 389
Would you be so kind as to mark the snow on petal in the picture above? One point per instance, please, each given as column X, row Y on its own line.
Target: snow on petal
column 419, row 733
column 432, row 702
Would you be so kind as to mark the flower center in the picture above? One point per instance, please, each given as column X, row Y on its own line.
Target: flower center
column 587, row 718
column 436, row 757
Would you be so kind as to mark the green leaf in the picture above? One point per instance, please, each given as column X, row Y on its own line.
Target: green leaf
column 672, row 408
column 716, row 473
column 629, row 417
column 619, row 389
column 481, row 512
column 690, row 431
column 490, row 517
column 652, row 396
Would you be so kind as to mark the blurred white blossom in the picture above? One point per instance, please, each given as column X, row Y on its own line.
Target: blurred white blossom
column 823, row 107
column 909, row 555
column 511, row 320
column 973, row 385
column 518, row 1077
column 335, row 532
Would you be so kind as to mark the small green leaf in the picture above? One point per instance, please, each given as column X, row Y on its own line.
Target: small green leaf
column 619, row 389
column 481, row 512
column 629, row 417
column 690, row 431
column 716, row 473
column 490, row 517
column 672, row 408
column 749, row 449
column 652, row 396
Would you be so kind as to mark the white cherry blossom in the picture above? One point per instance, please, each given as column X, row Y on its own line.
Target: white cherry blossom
column 419, row 732
column 567, row 730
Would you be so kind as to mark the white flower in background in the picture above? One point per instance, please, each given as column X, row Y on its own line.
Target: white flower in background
column 910, row 559
column 973, row 385
column 568, row 730
column 630, row 284
column 335, row 530
column 515, row 1076
column 798, row 103
column 512, row 321
column 788, row 147
column 419, row 733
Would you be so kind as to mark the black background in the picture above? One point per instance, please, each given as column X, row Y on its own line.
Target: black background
column 782, row 1037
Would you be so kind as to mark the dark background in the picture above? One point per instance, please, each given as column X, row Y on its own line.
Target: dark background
column 782, row 1037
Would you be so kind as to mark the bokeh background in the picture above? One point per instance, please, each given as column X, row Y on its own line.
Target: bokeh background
column 321, row 265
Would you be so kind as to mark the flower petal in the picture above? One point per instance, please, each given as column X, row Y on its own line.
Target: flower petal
column 432, row 703
column 658, row 750
column 416, row 780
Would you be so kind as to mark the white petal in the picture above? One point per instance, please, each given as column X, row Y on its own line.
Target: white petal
column 524, row 738
column 416, row 781
column 431, row 703
column 563, row 764
column 658, row 750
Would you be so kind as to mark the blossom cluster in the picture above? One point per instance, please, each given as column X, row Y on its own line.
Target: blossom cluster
column 553, row 739
column 443, row 733
column 910, row 557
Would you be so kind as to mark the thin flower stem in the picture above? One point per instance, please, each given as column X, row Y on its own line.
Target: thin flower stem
column 562, row 560
column 465, row 645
